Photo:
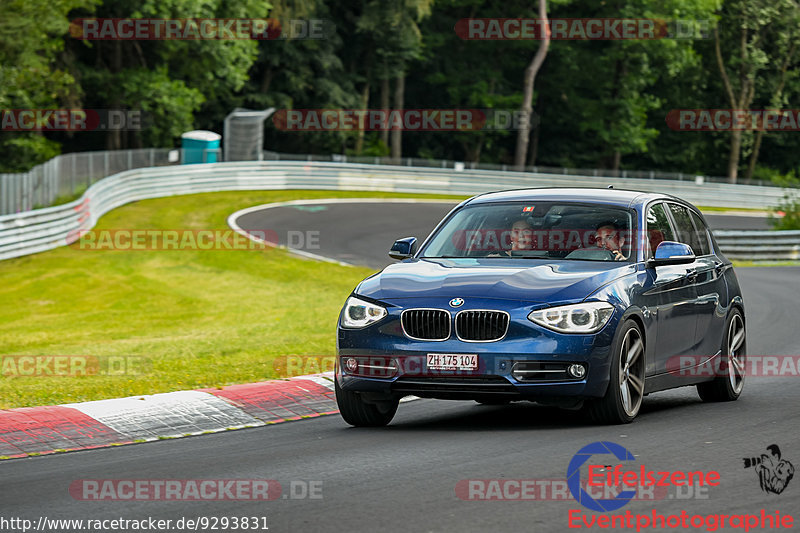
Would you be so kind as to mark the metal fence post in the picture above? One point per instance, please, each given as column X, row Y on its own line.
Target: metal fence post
column 74, row 179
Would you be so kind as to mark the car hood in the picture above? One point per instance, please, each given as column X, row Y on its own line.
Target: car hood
column 512, row 279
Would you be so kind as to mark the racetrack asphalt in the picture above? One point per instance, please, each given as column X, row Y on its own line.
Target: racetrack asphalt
column 404, row 477
column 362, row 233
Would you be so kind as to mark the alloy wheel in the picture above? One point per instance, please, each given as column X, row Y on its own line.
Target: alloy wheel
column 631, row 372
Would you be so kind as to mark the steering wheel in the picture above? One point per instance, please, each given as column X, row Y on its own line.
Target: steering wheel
column 595, row 254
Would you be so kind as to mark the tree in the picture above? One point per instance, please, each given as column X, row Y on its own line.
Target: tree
column 168, row 79
column 785, row 47
column 527, row 89
column 759, row 33
column 32, row 74
column 394, row 26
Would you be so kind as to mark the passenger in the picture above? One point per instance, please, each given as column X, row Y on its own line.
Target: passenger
column 521, row 235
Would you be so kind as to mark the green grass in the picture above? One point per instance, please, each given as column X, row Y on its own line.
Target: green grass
column 710, row 209
column 197, row 318
column 746, row 264
column 64, row 198
column 200, row 318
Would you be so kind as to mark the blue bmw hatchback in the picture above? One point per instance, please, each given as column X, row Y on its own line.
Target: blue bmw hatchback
column 577, row 298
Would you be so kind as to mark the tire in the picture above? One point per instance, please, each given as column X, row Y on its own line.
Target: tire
column 623, row 398
column 359, row 413
column 728, row 387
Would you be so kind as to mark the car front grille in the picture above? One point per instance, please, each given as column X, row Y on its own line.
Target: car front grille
column 426, row 324
column 481, row 326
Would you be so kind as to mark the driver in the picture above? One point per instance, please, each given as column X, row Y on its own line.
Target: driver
column 609, row 237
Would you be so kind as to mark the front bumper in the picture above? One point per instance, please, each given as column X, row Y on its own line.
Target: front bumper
column 392, row 364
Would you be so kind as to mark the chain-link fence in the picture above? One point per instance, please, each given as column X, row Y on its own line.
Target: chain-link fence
column 461, row 165
column 65, row 176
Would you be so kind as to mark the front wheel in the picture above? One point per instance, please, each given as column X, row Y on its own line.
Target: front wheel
column 728, row 386
column 359, row 413
column 623, row 398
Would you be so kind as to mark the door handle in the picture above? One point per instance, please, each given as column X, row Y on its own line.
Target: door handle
column 719, row 266
column 691, row 275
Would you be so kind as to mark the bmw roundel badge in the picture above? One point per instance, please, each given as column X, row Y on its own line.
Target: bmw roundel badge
column 456, row 302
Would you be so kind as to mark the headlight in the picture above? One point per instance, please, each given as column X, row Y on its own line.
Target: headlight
column 358, row 313
column 585, row 317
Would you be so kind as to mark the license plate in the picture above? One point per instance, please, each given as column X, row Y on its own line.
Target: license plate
column 452, row 361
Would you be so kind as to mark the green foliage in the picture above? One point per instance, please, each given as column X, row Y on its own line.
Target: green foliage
column 763, row 173
column 168, row 104
column 598, row 103
column 21, row 151
column 790, row 209
column 31, row 40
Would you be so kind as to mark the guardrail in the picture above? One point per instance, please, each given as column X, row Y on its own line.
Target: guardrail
column 759, row 245
column 69, row 174
column 43, row 229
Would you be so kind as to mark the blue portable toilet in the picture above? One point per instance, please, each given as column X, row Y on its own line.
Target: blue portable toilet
column 200, row 146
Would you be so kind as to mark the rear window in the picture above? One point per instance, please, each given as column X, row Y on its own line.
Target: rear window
column 687, row 233
column 658, row 228
column 704, row 248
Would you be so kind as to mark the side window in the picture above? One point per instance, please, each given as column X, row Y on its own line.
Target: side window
column 658, row 228
column 684, row 227
column 702, row 234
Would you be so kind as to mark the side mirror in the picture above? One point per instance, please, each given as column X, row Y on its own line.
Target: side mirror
column 672, row 253
column 403, row 248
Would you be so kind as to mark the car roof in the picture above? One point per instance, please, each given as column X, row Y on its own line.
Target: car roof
column 617, row 197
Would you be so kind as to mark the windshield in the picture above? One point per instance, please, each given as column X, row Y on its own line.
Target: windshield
column 536, row 230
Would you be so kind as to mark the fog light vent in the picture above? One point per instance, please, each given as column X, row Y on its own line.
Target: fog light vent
column 576, row 371
column 527, row 371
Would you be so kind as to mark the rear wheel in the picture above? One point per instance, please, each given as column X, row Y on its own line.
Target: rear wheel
column 623, row 398
column 728, row 384
column 359, row 413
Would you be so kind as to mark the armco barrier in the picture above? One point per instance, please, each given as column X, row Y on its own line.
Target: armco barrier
column 759, row 245
column 43, row 229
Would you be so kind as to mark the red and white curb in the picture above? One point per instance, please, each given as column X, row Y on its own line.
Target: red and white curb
column 79, row 426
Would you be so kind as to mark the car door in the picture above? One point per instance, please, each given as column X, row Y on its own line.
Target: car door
column 711, row 291
column 671, row 294
column 701, row 274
